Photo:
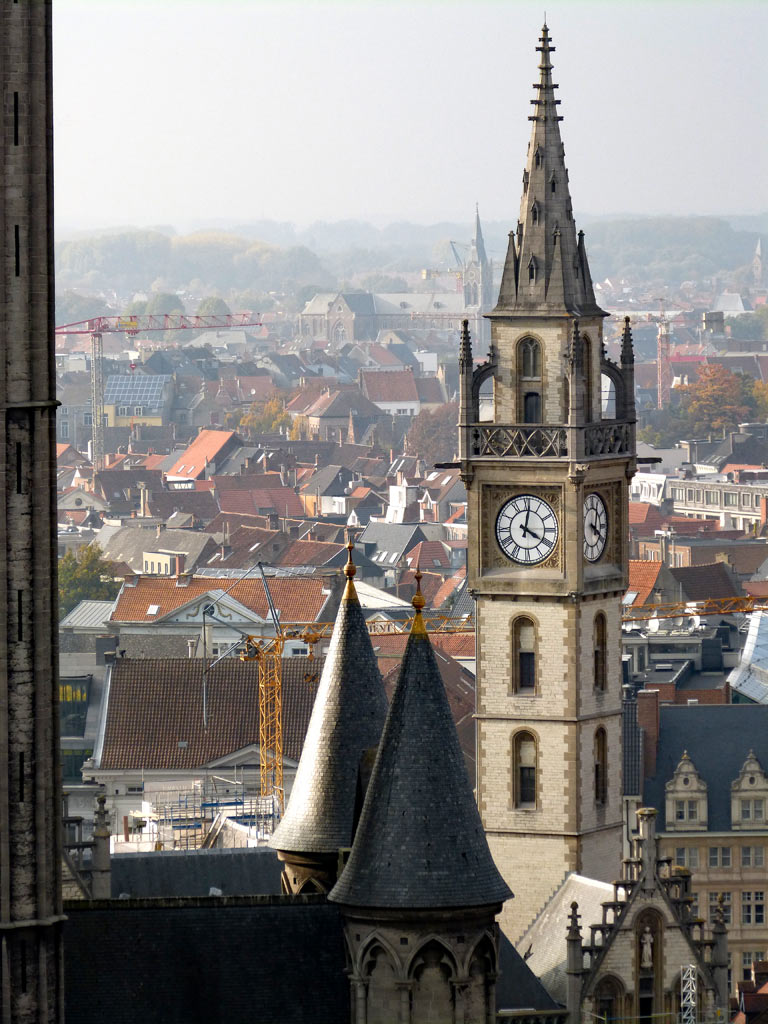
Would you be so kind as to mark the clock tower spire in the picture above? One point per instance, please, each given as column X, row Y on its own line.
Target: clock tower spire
column 547, row 480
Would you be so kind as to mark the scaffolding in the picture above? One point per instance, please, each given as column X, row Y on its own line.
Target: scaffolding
column 688, row 975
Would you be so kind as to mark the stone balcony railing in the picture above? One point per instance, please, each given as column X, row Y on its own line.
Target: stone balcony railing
column 497, row 440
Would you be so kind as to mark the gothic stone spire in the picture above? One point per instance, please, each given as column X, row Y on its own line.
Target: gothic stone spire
column 546, row 270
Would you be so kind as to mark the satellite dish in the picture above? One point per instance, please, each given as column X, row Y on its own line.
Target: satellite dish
column 678, row 622
column 653, row 625
column 694, row 621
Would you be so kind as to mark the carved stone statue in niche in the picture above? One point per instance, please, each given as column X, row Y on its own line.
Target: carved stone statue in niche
column 646, row 949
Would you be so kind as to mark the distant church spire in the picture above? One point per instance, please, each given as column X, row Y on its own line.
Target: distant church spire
column 340, row 745
column 546, row 269
column 478, row 243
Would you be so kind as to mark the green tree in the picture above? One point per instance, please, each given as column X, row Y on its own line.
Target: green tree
column 433, row 435
column 164, row 302
column 212, row 305
column 85, row 575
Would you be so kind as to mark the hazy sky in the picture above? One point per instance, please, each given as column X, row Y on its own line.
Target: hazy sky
column 184, row 111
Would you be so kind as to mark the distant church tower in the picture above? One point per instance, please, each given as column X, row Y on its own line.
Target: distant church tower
column 30, row 811
column 477, row 278
column 547, row 481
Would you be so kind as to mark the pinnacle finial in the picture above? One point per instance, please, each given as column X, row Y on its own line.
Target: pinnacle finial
column 465, row 345
column 418, row 603
column 350, row 593
column 627, row 348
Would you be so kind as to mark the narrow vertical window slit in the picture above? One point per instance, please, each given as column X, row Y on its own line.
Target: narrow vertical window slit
column 15, row 119
column 17, row 245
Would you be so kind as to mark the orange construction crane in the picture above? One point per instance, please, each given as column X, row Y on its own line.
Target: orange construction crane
column 268, row 651
column 131, row 325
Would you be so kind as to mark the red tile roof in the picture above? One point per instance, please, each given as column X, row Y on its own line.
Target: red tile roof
column 428, row 555
column 204, row 449
column 261, row 501
column 154, row 715
column 641, row 513
column 308, row 552
column 297, row 600
column 643, row 576
column 389, row 385
column 449, row 588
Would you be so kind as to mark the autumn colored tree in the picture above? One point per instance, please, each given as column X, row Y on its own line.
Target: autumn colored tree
column 265, row 417
column 85, row 576
column 434, row 435
column 716, row 402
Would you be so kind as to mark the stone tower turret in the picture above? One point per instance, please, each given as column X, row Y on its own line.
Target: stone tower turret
column 547, row 485
column 420, row 891
column 344, row 731
column 30, row 808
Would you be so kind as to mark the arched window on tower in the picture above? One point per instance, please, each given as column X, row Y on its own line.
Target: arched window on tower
column 534, row 214
column 529, row 380
column 600, row 646
column 588, row 398
column 601, row 766
column 524, row 656
column 607, row 397
column 525, row 770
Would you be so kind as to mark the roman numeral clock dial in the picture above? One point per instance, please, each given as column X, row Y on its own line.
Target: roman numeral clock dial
column 526, row 529
column 595, row 527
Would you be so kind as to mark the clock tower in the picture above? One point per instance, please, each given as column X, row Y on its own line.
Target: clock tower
column 547, row 478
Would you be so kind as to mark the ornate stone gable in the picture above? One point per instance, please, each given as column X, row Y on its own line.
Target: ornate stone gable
column 749, row 796
column 632, row 963
column 686, row 798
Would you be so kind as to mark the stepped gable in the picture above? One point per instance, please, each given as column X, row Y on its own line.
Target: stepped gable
column 546, row 269
column 347, row 720
column 420, row 841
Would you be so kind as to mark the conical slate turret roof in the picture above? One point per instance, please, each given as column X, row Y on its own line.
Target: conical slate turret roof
column 546, row 269
column 347, row 720
column 420, row 842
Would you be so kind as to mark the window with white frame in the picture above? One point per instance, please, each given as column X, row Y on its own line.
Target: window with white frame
column 753, row 810
column 747, row 959
column 752, row 856
column 719, row 856
column 687, row 857
column 753, row 906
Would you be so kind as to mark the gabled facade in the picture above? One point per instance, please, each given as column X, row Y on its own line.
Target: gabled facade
column 630, row 968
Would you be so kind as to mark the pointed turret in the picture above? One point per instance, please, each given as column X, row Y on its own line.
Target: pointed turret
column 546, row 269
column 344, row 731
column 420, row 842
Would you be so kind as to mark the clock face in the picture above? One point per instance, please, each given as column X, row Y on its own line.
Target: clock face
column 526, row 529
column 595, row 527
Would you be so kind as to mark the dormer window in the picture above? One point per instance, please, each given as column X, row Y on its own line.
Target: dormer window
column 749, row 796
column 686, row 798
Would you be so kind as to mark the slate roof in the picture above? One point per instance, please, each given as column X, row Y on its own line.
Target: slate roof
column 297, row 600
column 420, row 841
column 155, row 706
column 430, row 390
column 718, row 738
column 235, row 872
column 278, row 959
column 330, row 480
column 129, row 543
column 307, row 552
column 700, row 582
column 347, row 720
column 200, row 504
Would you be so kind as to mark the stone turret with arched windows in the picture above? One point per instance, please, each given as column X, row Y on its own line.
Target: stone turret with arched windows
column 420, row 891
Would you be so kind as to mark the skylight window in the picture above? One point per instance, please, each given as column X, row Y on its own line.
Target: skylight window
column 393, row 557
column 446, row 480
column 153, row 609
column 629, row 597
